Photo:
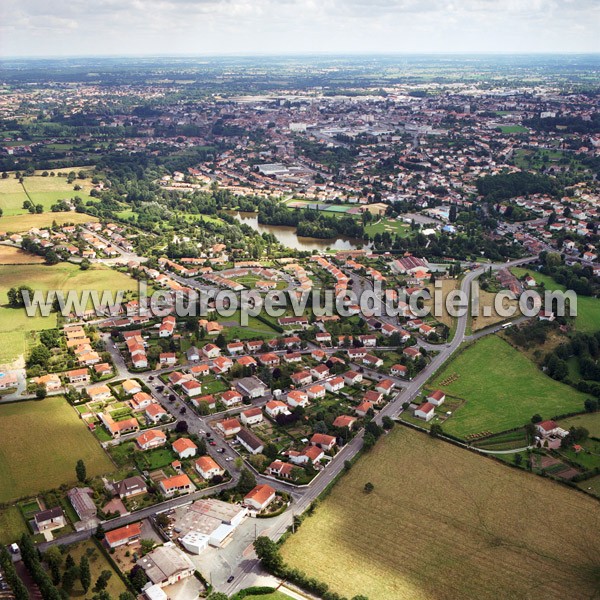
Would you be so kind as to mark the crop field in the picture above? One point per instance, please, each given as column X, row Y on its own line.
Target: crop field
column 63, row 276
column 26, row 465
column 10, row 255
column 588, row 307
column 443, row 523
column 486, row 301
column 24, row 222
column 501, row 389
column 447, row 285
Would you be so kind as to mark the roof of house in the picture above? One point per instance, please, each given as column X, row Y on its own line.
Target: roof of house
column 176, row 481
column 250, row 439
column 183, row 444
column 207, row 463
column 260, row 494
column 148, row 436
column 124, row 533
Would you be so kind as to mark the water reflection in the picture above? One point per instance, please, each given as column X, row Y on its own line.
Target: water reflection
column 288, row 237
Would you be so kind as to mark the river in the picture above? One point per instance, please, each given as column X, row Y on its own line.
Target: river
column 288, row 237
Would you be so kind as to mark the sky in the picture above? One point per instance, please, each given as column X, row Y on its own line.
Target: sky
column 246, row 27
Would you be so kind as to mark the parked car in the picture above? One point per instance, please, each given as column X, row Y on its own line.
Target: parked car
column 212, row 443
column 230, row 579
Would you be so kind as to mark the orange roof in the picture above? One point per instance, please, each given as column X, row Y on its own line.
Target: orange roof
column 206, row 463
column 176, row 481
column 260, row 494
column 148, row 436
column 184, row 444
column 124, row 533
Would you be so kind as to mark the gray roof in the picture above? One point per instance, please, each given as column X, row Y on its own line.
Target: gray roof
column 250, row 439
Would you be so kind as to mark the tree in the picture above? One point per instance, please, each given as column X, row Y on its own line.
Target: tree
column 536, row 418
column 369, row 487
column 181, row 427
column 102, row 581
column 69, row 562
column 436, row 430
column 217, row 596
column 247, row 482
column 85, row 575
column 387, row 422
column 126, row 596
column 40, row 391
column 147, row 546
column 81, row 471
column 267, row 552
column 138, row 577
column 69, row 578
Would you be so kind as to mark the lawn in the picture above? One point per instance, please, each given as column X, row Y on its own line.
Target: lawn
column 591, row 421
column 40, row 442
column 14, row 323
column 12, row 525
column 502, row 389
column 513, row 129
column 588, row 307
column 392, row 226
column 272, row 596
column 98, row 563
column 443, row 523
column 24, row 222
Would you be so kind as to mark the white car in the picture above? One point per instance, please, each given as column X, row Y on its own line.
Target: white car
column 228, row 459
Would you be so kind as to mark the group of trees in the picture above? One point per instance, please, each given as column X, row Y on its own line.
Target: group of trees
column 511, row 185
column 309, row 222
column 576, row 277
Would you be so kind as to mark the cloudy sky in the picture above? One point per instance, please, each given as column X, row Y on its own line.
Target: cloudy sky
column 170, row 27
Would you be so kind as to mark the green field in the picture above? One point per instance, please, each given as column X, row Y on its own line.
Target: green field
column 40, row 190
column 14, row 323
column 40, row 442
column 443, row 523
column 501, row 389
column 513, row 129
column 254, row 330
column 392, row 226
column 591, row 421
column 272, row 596
column 588, row 307
column 12, row 524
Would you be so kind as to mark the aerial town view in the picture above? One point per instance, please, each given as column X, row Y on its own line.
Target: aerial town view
column 299, row 300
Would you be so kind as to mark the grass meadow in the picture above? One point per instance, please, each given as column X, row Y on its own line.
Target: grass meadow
column 588, row 307
column 443, row 523
column 501, row 389
column 40, row 190
column 40, row 442
column 14, row 322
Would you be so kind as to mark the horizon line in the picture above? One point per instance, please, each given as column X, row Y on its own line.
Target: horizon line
column 290, row 54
